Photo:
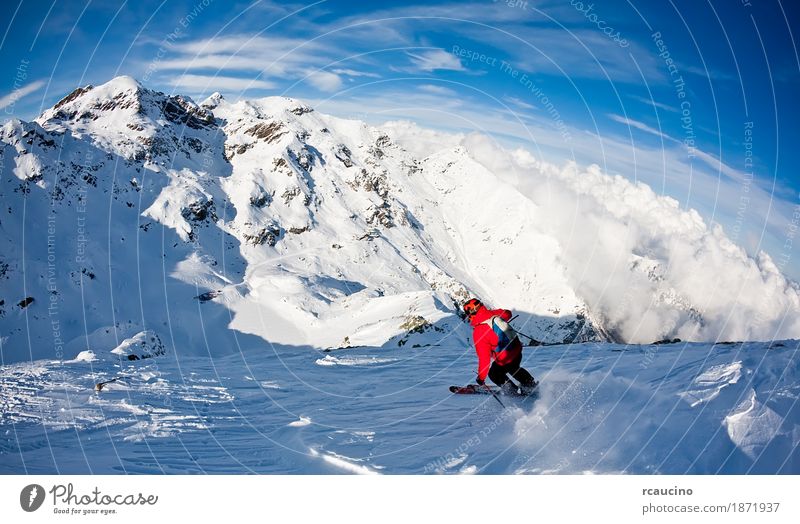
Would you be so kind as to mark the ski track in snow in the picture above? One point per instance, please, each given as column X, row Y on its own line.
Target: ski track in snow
column 601, row 408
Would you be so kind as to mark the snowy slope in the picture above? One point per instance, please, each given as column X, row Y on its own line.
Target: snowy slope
column 602, row 408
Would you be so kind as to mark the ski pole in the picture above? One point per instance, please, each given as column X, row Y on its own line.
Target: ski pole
column 100, row 385
column 538, row 343
column 493, row 394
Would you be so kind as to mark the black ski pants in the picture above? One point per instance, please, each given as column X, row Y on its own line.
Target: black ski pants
column 499, row 374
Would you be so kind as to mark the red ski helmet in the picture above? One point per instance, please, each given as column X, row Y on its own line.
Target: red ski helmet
column 472, row 306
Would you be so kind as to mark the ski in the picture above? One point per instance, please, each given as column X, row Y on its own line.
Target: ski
column 475, row 389
column 472, row 389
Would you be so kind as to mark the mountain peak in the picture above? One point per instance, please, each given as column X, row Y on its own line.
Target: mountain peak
column 123, row 104
column 89, row 102
column 212, row 101
column 121, row 83
column 113, row 88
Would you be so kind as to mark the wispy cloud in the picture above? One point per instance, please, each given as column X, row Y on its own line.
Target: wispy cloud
column 721, row 167
column 437, row 90
column 18, row 94
column 641, row 126
column 205, row 83
column 245, row 53
column 274, row 59
column 653, row 103
column 354, row 73
column 574, row 53
column 519, row 104
column 706, row 73
column 435, row 60
column 715, row 163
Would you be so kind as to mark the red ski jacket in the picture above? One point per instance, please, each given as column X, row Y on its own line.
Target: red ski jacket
column 486, row 341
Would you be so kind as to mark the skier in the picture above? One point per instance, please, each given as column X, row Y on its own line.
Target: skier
column 492, row 344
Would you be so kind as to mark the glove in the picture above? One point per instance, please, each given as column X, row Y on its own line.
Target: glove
column 481, row 382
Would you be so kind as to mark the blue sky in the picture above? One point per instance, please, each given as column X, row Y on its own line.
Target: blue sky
column 677, row 94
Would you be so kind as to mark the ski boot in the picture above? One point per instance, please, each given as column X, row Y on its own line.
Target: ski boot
column 510, row 389
column 529, row 387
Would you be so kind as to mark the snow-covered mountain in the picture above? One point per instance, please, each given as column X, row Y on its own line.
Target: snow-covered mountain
column 129, row 210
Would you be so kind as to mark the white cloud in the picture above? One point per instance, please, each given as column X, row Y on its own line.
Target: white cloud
column 520, row 104
column 325, row 81
column 17, row 94
column 203, row 83
column 354, row 73
column 418, row 140
column 437, row 90
column 641, row 261
column 435, row 60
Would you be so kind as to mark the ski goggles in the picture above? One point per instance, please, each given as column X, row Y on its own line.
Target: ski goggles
column 472, row 306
